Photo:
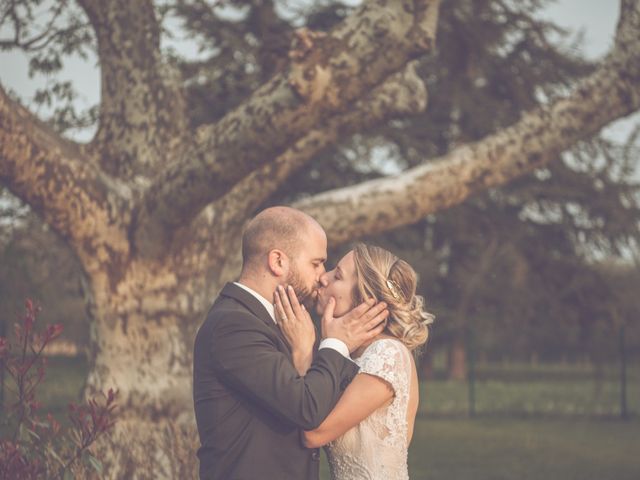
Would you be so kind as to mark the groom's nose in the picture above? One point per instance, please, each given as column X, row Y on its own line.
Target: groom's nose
column 324, row 279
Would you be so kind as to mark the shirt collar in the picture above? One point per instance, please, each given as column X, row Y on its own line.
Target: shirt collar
column 267, row 304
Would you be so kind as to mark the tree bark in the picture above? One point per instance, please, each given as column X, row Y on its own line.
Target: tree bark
column 142, row 108
column 60, row 183
column 337, row 71
column 612, row 92
column 404, row 93
column 143, row 324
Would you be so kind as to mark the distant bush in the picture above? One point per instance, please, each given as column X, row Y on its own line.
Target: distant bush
column 36, row 446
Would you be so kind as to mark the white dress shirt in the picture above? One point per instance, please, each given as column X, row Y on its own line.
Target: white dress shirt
column 333, row 343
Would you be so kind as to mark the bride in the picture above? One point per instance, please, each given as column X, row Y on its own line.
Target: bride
column 368, row 432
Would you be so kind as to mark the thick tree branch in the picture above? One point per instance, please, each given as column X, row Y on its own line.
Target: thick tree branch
column 403, row 94
column 221, row 222
column 324, row 80
column 58, row 181
column 142, row 113
column 612, row 92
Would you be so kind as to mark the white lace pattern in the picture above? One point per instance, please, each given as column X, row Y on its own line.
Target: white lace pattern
column 376, row 449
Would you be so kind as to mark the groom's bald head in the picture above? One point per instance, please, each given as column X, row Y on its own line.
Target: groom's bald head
column 282, row 228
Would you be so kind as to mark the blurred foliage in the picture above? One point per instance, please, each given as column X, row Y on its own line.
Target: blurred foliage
column 50, row 32
column 36, row 263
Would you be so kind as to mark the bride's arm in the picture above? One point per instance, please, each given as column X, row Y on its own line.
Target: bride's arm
column 364, row 395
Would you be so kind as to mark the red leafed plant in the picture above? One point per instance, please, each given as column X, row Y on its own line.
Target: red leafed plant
column 36, row 446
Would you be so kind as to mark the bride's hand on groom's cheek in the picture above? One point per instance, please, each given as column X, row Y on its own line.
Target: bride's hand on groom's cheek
column 294, row 321
column 361, row 324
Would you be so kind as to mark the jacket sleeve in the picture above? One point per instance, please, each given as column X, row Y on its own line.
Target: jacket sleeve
column 246, row 357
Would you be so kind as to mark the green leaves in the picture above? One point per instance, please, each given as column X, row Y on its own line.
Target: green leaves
column 94, row 462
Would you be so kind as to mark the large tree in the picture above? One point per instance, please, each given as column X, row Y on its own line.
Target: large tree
column 154, row 204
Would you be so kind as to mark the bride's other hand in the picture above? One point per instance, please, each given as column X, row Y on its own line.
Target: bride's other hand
column 297, row 327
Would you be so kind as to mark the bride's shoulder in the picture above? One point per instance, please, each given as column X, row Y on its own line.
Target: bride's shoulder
column 387, row 358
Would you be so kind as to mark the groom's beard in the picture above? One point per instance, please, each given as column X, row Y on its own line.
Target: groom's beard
column 305, row 295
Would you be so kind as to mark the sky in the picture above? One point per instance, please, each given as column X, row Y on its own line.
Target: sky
column 595, row 18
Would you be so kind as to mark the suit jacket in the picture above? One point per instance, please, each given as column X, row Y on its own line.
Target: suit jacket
column 250, row 402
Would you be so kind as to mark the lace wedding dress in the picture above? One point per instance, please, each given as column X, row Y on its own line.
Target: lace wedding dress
column 376, row 449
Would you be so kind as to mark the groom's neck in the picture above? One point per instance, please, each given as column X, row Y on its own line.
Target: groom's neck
column 263, row 285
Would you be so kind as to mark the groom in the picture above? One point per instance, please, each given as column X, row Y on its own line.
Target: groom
column 250, row 402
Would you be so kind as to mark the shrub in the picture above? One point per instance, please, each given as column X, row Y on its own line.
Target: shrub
column 36, row 446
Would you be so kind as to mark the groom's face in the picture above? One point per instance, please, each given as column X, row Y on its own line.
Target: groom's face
column 308, row 265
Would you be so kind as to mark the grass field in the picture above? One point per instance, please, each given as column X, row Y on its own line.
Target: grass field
column 508, row 449
column 531, row 425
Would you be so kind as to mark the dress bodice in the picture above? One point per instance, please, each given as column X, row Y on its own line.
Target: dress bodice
column 376, row 449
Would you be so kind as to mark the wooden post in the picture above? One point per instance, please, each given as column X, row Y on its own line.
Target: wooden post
column 2, row 334
column 624, row 414
column 471, row 371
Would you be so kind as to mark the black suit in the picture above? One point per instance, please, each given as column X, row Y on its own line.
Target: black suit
column 250, row 402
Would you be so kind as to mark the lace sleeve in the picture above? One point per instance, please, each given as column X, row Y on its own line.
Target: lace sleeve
column 386, row 359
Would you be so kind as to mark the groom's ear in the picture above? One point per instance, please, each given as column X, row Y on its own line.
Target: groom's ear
column 278, row 263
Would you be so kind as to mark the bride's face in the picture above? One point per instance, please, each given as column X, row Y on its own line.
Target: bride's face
column 339, row 284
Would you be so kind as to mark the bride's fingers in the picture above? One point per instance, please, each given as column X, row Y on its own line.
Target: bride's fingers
column 280, row 313
column 276, row 305
column 295, row 304
column 286, row 304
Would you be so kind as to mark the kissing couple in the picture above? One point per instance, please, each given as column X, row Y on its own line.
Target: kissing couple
column 269, row 388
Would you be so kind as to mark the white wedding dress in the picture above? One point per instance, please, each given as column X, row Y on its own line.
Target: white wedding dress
column 376, row 449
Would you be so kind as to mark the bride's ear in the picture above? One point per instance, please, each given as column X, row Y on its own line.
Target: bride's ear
column 278, row 263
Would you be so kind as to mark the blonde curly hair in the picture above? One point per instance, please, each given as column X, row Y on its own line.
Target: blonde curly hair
column 387, row 278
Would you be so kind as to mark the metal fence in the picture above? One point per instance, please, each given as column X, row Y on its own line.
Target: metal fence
column 608, row 388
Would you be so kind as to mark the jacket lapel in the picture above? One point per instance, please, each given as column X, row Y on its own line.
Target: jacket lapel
column 253, row 305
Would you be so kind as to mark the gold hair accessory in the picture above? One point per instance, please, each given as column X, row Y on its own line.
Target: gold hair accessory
column 428, row 318
column 393, row 287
